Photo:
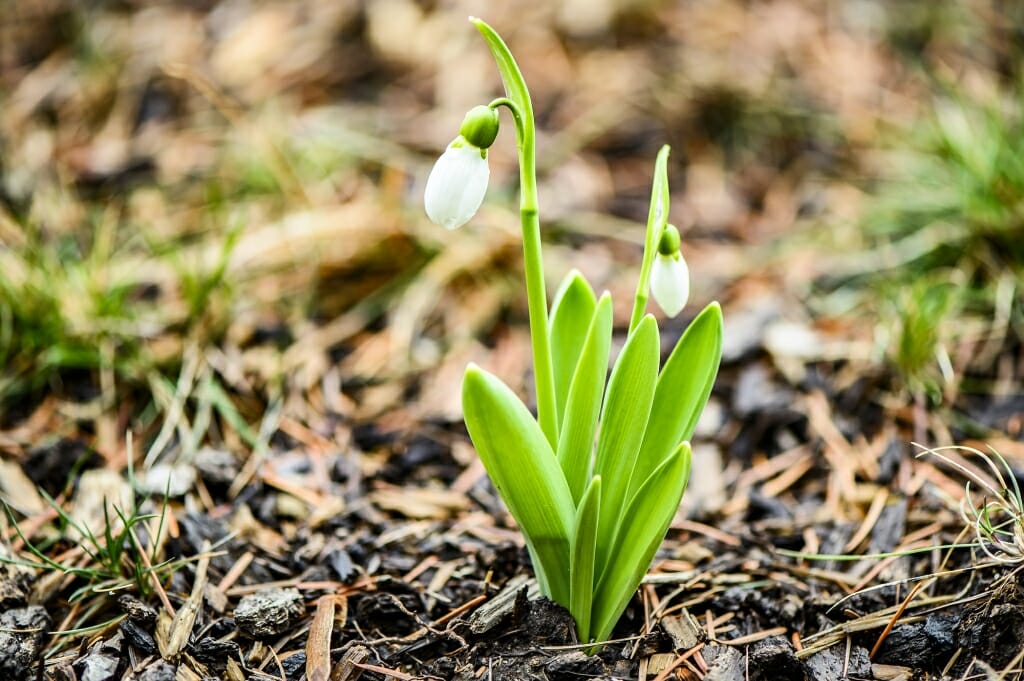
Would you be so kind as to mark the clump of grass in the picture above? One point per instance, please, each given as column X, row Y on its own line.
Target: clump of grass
column 957, row 193
column 997, row 519
column 84, row 305
column 939, row 240
column 114, row 560
column 916, row 331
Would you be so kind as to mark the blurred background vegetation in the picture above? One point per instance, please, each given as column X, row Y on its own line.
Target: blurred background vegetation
column 212, row 210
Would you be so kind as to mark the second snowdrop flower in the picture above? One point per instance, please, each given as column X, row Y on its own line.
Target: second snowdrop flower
column 670, row 276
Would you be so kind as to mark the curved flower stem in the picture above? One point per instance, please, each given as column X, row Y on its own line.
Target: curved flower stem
column 656, row 220
column 518, row 102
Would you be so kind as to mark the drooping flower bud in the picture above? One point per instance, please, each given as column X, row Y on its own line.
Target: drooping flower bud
column 480, row 126
column 669, row 242
column 670, row 276
column 456, row 184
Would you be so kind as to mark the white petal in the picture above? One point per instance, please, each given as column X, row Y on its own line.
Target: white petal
column 456, row 185
column 670, row 283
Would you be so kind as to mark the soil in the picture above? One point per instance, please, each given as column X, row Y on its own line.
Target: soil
column 429, row 591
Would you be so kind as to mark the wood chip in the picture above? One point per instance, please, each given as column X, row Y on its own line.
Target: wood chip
column 318, row 645
column 433, row 504
column 494, row 611
column 17, row 491
column 350, row 669
column 684, row 630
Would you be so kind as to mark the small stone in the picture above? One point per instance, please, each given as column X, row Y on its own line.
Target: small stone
column 774, row 658
column 136, row 610
column 293, row 666
column 102, row 662
column 161, row 671
column 21, row 641
column 829, row 664
column 12, row 593
column 574, row 665
column 171, row 480
column 785, row 338
column 341, row 562
column 925, row 645
column 138, row 637
column 216, row 466
column 744, row 329
column 725, row 663
column 269, row 613
column 209, row 649
column 756, row 390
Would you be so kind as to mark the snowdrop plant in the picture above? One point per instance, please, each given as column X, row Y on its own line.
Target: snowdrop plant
column 595, row 480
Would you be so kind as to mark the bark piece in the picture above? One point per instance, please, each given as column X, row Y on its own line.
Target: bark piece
column 269, row 613
column 21, row 641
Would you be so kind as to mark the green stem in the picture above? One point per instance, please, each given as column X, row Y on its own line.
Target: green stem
column 657, row 218
column 518, row 102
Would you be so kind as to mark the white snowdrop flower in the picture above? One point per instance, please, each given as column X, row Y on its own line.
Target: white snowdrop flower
column 458, row 181
column 457, row 184
column 670, row 276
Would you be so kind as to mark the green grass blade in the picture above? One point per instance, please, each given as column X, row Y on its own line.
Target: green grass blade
column 576, row 436
column 644, row 525
column 570, row 314
column 683, row 389
column 627, row 406
column 581, row 556
column 526, row 473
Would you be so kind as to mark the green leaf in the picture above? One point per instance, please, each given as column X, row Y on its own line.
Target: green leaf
column 657, row 218
column 570, row 316
column 581, row 556
column 576, row 437
column 627, row 406
column 526, row 473
column 511, row 76
column 683, row 389
column 644, row 525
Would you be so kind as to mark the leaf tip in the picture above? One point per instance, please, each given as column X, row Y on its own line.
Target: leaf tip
column 472, row 377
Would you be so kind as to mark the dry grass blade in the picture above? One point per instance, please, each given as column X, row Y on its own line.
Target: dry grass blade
column 174, row 635
column 895, row 618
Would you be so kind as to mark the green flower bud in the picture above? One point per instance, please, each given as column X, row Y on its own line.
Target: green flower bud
column 669, row 242
column 480, row 126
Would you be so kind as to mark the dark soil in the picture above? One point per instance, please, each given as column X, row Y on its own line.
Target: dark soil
column 722, row 603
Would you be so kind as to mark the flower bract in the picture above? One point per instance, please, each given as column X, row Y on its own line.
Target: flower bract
column 670, row 282
column 457, row 184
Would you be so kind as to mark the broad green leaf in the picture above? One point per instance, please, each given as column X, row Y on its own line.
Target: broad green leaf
column 576, row 436
column 683, row 389
column 570, row 317
column 581, row 555
column 627, row 406
column 526, row 473
column 643, row 528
